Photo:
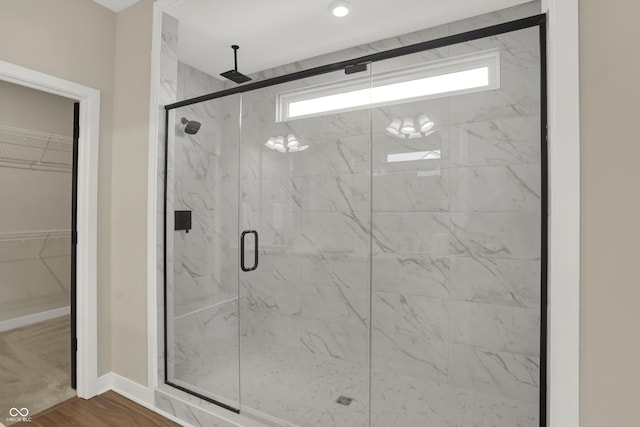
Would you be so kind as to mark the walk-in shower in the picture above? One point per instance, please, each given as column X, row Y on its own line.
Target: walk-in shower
column 366, row 241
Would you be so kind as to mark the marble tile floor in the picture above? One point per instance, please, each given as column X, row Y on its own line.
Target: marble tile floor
column 300, row 389
column 291, row 389
column 35, row 366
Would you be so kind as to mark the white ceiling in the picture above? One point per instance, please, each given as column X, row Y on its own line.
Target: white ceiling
column 116, row 5
column 278, row 32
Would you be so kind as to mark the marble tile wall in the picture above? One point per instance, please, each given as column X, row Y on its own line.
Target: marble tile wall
column 306, row 307
column 204, row 275
column 192, row 410
column 167, row 94
column 202, row 310
column 199, row 187
column 456, row 242
column 456, row 253
column 311, row 291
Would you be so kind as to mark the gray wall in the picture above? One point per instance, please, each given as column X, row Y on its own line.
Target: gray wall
column 74, row 40
column 610, row 283
column 81, row 41
column 129, row 189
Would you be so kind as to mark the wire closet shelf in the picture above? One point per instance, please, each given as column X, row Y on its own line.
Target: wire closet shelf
column 28, row 149
column 35, row 244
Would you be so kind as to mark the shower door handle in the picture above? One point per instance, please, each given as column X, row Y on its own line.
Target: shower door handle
column 255, row 251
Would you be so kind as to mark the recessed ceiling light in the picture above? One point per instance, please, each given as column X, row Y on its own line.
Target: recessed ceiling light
column 340, row 8
column 394, row 127
column 277, row 143
column 407, row 126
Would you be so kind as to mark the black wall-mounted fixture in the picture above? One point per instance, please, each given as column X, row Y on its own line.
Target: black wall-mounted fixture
column 255, row 250
column 234, row 75
column 183, row 221
column 191, row 127
column 355, row 68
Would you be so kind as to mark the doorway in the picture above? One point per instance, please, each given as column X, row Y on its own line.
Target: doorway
column 87, row 212
column 38, row 140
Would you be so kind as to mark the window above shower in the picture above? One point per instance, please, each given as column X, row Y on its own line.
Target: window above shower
column 459, row 75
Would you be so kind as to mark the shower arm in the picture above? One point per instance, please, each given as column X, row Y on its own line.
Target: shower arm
column 235, row 48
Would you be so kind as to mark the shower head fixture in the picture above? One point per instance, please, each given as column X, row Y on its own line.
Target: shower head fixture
column 234, row 75
column 191, row 127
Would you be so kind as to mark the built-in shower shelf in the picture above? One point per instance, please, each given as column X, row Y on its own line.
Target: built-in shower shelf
column 206, row 303
column 28, row 149
column 22, row 236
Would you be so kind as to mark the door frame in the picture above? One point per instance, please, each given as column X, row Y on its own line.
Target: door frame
column 563, row 310
column 87, row 213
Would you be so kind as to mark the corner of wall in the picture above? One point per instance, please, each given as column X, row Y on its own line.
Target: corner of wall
column 132, row 71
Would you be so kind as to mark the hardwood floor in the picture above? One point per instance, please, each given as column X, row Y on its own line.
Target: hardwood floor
column 108, row 409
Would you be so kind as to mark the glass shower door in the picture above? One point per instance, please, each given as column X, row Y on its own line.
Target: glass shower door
column 304, row 311
column 366, row 249
column 202, row 250
column 456, row 257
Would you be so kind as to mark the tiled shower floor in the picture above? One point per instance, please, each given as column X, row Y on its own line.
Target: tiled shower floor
column 294, row 389
column 297, row 389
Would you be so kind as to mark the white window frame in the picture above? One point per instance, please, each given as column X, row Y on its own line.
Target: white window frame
column 487, row 58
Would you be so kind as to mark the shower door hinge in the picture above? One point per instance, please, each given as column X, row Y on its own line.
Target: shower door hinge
column 74, row 237
column 356, row 68
column 74, row 343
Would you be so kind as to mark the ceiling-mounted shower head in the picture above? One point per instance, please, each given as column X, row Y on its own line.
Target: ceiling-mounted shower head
column 190, row 126
column 234, row 75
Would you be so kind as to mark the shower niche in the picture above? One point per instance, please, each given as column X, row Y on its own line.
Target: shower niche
column 364, row 249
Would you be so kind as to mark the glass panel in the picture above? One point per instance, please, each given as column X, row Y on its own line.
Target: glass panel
column 202, row 249
column 456, row 248
column 305, row 310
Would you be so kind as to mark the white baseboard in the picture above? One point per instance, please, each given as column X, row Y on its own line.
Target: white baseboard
column 6, row 325
column 138, row 393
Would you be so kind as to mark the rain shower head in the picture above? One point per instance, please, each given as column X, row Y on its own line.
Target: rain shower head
column 234, row 75
column 190, row 126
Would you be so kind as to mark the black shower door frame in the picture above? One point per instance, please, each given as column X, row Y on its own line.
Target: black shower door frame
column 357, row 64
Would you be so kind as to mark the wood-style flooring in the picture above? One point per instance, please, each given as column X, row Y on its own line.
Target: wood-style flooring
column 108, row 409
